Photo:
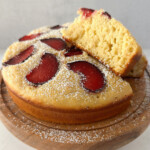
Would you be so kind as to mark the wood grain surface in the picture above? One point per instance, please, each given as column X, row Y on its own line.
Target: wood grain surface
column 108, row 134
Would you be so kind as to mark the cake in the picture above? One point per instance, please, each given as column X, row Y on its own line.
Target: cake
column 54, row 81
column 105, row 38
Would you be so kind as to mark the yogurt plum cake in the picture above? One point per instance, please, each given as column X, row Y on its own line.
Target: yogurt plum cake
column 106, row 39
column 54, row 81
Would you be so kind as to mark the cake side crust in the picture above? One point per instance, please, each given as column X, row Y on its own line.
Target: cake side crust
column 57, row 115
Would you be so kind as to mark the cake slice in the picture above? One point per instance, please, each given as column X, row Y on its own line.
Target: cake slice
column 105, row 39
column 139, row 67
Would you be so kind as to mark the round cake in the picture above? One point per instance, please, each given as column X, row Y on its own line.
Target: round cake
column 54, row 81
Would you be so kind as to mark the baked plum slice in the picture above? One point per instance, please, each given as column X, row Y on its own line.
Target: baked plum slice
column 106, row 14
column 92, row 79
column 29, row 37
column 45, row 71
column 56, row 27
column 24, row 55
column 86, row 12
column 73, row 51
column 56, row 43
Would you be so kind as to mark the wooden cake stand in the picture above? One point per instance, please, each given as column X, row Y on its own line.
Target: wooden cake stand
column 105, row 135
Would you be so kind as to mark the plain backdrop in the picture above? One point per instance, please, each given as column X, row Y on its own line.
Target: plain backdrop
column 18, row 17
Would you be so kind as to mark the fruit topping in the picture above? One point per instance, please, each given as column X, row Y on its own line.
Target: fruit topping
column 106, row 14
column 73, row 51
column 86, row 12
column 55, row 43
column 29, row 37
column 92, row 78
column 45, row 71
column 24, row 55
column 56, row 27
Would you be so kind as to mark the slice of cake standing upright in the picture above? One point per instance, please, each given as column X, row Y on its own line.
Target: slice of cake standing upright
column 104, row 38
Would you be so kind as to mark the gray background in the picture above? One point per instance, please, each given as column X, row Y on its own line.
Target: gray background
column 18, row 17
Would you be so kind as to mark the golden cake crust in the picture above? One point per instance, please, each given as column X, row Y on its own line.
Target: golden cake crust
column 70, row 116
column 62, row 99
